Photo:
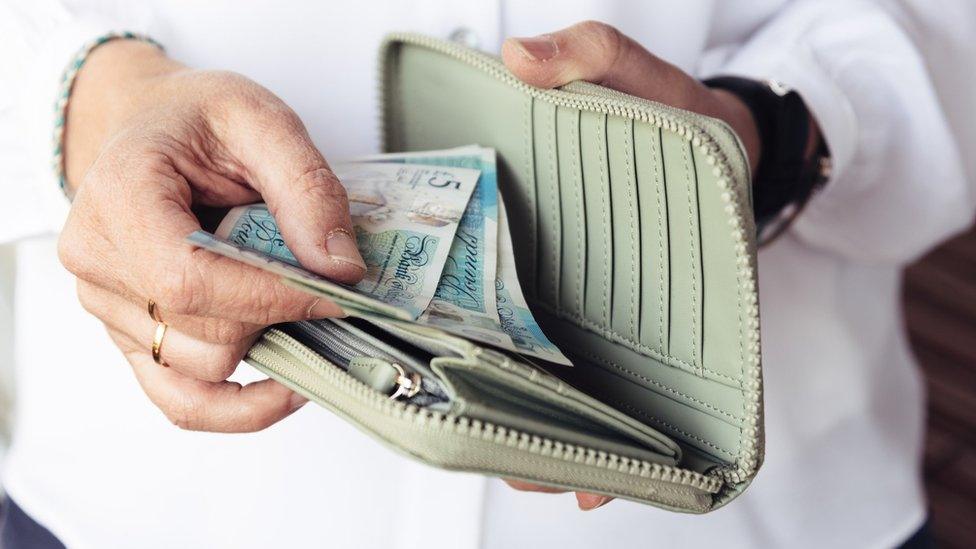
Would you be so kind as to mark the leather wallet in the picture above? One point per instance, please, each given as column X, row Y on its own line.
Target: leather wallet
column 635, row 247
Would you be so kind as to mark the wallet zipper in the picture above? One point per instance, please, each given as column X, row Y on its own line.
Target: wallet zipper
column 340, row 347
column 289, row 359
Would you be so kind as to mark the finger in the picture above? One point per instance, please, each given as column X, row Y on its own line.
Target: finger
column 189, row 356
column 140, row 252
column 129, row 311
column 272, row 147
column 529, row 487
column 198, row 405
column 601, row 54
column 588, row 502
column 181, row 351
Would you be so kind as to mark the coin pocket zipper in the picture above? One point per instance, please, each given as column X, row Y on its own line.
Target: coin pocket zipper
column 358, row 356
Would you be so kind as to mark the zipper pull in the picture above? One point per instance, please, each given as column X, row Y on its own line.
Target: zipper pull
column 408, row 384
column 388, row 378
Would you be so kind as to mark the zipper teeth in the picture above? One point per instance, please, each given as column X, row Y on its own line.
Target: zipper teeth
column 327, row 334
column 272, row 359
column 335, row 347
column 723, row 168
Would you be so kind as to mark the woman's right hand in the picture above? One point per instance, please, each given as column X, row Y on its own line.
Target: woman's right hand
column 148, row 139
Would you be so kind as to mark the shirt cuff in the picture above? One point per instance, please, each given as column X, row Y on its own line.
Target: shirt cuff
column 896, row 186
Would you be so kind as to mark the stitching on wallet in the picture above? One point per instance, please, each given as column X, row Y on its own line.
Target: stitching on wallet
column 694, row 279
column 667, row 425
column 610, row 363
column 660, row 250
column 580, row 251
column 530, row 172
column 738, row 314
column 554, row 188
column 644, row 350
column 608, row 478
column 604, row 187
column 634, row 288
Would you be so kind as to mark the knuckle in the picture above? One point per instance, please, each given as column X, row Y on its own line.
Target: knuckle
column 185, row 412
column 86, row 298
column 321, row 184
column 270, row 116
column 227, row 90
column 69, row 253
column 251, row 99
column 76, row 246
column 256, row 416
column 598, row 30
column 225, row 332
column 180, row 290
column 284, row 117
column 275, row 304
column 234, row 97
column 221, row 363
column 605, row 37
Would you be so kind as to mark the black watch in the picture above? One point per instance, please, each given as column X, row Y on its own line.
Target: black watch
column 785, row 178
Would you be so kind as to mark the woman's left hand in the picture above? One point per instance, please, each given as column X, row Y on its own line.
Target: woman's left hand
column 599, row 53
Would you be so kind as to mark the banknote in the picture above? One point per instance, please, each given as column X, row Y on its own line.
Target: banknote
column 345, row 296
column 513, row 313
column 464, row 302
column 404, row 216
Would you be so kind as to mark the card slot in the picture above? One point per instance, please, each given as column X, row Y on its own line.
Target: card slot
column 723, row 327
column 599, row 219
column 685, row 245
column 655, row 253
column 677, row 419
column 591, row 350
column 558, row 412
column 496, row 405
column 625, row 316
column 548, row 215
column 572, row 283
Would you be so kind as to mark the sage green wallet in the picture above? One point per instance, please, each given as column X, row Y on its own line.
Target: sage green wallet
column 636, row 250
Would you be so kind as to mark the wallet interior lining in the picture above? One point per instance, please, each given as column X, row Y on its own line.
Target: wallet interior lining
column 571, row 178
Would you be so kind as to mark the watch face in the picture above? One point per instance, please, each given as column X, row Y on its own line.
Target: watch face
column 778, row 87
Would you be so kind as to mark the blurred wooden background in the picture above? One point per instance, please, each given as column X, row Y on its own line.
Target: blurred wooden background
column 940, row 306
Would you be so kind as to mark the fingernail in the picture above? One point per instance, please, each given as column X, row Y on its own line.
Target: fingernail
column 341, row 246
column 296, row 401
column 538, row 48
column 589, row 502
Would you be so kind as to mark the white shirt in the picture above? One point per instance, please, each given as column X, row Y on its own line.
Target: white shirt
column 96, row 463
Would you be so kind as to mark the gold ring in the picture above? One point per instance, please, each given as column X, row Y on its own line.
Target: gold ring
column 153, row 311
column 157, row 344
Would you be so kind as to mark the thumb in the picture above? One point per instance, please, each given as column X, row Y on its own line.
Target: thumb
column 277, row 157
column 598, row 53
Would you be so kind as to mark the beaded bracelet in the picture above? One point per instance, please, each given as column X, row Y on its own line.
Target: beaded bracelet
column 67, row 81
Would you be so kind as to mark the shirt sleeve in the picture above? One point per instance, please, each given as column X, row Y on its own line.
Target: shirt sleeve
column 39, row 38
column 898, row 184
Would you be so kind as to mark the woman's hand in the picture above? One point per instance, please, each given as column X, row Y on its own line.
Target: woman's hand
column 148, row 141
column 599, row 53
